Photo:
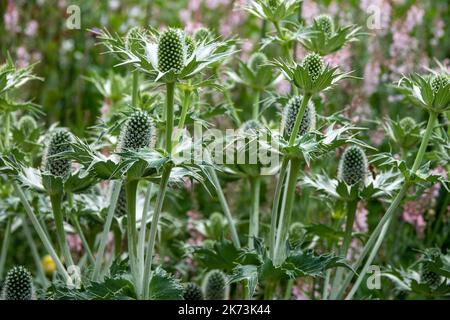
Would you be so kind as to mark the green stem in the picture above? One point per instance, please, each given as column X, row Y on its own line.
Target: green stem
column 285, row 215
column 60, row 232
column 131, row 192
column 288, row 293
column 170, row 87
column 186, row 104
column 135, row 92
column 83, row 239
column 34, row 252
column 298, row 119
column 377, row 233
column 153, row 229
column 255, row 110
column 142, row 231
column 276, row 203
column 5, row 245
column 41, row 233
column 253, row 231
column 234, row 113
column 7, row 125
column 106, row 227
column 351, row 212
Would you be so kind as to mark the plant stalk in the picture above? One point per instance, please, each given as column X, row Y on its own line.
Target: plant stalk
column 255, row 183
column 5, row 245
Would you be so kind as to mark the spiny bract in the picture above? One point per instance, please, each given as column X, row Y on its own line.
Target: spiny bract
column 215, row 285
column 326, row 24
column 408, row 124
column 138, row 132
column 256, row 61
column 27, row 124
column 18, row 284
column 438, row 81
column 313, row 63
column 171, row 51
column 59, row 142
column 353, row 165
column 290, row 114
column 133, row 42
column 192, row 292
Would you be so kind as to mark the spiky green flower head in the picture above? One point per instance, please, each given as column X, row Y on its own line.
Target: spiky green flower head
column 133, row 40
column 432, row 279
column 256, row 60
column 251, row 125
column 190, row 45
column 202, row 34
column 215, row 285
column 438, row 81
column 18, row 284
column 192, row 292
column 121, row 206
column 273, row 3
column 171, row 50
column 296, row 231
column 326, row 24
column 290, row 114
column 138, row 132
column 59, row 142
column 353, row 166
column 313, row 63
column 408, row 124
column 27, row 124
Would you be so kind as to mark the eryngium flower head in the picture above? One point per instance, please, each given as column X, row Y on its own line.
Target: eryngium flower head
column 251, row 125
column 215, row 286
column 325, row 23
column 171, row 51
column 313, row 63
column 59, row 142
column 121, row 206
column 256, row 60
column 202, row 34
column 190, row 45
column 290, row 114
column 432, row 279
column 438, row 81
column 27, row 124
column 192, row 292
column 408, row 124
column 138, row 132
column 353, row 165
column 18, row 284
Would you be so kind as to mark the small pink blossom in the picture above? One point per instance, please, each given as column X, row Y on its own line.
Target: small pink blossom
column 32, row 28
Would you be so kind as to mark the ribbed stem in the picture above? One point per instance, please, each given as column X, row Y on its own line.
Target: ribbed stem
column 80, row 232
column 275, row 205
column 131, row 193
column 41, row 233
column 299, row 118
column 106, row 227
column 285, row 215
column 377, row 234
column 5, row 245
column 255, row 183
column 142, row 231
column 186, row 104
column 170, row 87
column 60, row 232
column 255, row 110
column 135, row 92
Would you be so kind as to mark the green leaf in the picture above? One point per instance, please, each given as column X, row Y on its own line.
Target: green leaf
column 222, row 256
column 163, row 286
column 248, row 273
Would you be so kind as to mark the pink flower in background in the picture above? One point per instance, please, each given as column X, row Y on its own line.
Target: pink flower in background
column 196, row 238
column 414, row 17
column 342, row 58
column 360, row 225
column 32, row 28
column 372, row 71
column 283, row 87
column 194, row 5
column 309, row 10
column 23, row 57
column 74, row 242
column 11, row 18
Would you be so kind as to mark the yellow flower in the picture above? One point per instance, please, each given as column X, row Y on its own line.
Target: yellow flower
column 48, row 264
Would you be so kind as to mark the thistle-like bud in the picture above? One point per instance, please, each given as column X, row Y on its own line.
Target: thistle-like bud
column 313, row 63
column 290, row 114
column 121, row 206
column 192, row 292
column 18, row 284
column 171, row 51
column 138, row 132
column 190, row 45
column 133, row 41
column 407, row 124
column 216, row 224
column 432, row 279
column 256, row 61
column 59, row 142
column 27, row 124
column 251, row 125
column 438, row 81
column 353, row 166
column 202, row 34
column 215, row 286
column 325, row 23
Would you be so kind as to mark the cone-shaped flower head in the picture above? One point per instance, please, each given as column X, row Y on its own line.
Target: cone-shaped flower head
column 121, row 206
column 290, row 114
column 256, row 60
column 27, row 124
column 59, row 142
column 190, row 45
column 438, row 81
column 18, row 284
column 215, row 286
column 326, row 24
column 408, row 124
column 138, row 132
column 432, row 279
column 353, row 165
column 192, row 292
column 313, row 63
column 171, row 50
